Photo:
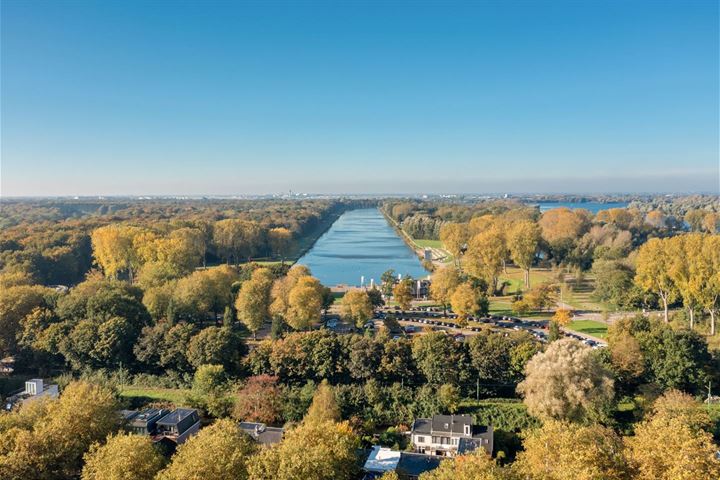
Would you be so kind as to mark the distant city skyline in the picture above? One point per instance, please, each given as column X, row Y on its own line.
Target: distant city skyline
column 140, row 98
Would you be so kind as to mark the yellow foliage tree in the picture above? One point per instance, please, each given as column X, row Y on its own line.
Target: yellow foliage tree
column 523, row 239
column 122, row 457
column 253, row 300
column 356, row 307
column 473, row 466
column 217, row 452
column 673, row 442
column 568, row 451
column 314, row 450
column 444, row 282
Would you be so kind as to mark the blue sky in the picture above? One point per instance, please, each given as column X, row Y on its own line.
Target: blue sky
column 228, row 98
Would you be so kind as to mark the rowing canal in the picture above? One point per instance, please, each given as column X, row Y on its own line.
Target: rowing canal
column 360, row 243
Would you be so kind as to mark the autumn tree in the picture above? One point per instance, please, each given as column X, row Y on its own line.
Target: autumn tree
column 472, row 466
column 485, row 255
column 253, row 300
column 280, row 292
column 217, row 452
column 16, row 303
column 444, row 282
column 324, row 406
column 259, row 400
column 304, row 303
column 562, row 450
column 673, row 442
column 279, row 239
column 567, row 382
column 317, row 450
column 523, row 239
column 51, row 446
column 466, row 302
column 560, row 227
column 122, row 457
column 402, row 293
column 687, row 251
column 115, row 249
column 236, row 239
column 562, row 317
column 356, row 307
column 454, row 237
column 653, row 271
column 205, row 292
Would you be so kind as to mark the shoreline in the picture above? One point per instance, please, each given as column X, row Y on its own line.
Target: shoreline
column 419, row 251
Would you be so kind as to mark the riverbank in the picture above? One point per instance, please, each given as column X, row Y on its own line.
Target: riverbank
column 440, row 257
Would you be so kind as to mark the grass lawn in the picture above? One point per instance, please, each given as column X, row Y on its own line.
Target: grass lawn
column 589, row 327
column 428, row 243
column 144, row 394
column 516, row 278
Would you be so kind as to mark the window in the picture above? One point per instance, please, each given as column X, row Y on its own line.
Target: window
column 467, row 429
column 420, row 439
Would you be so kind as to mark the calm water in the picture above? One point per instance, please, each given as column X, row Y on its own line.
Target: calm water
column 360, row 243
column 594, row 207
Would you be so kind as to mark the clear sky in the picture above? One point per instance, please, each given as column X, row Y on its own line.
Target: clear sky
column 210, row 97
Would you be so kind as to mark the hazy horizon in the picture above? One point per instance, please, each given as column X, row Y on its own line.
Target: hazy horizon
column 198, row 99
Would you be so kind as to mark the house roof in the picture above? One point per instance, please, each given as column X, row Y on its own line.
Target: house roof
column 182, row 419
column 147, row 417
column 448, row 425
column 382, row 459
column 262, row 433
column 413, row 464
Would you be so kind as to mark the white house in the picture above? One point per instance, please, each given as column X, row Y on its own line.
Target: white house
column 449, row 435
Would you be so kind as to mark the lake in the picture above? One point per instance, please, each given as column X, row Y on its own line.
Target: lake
column 594, row 207
column 360, row 243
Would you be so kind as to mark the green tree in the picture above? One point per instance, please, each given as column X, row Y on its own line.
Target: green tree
column 217, row 346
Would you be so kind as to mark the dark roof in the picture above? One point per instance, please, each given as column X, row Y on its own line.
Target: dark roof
column 414, row 464
column 262, row 433
column 147, row 417
column 447, row 424
column 182, row 418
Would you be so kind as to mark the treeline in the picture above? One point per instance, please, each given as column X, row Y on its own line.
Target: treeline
column 49, row 242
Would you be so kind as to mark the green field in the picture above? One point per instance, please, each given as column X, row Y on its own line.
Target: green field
column 144, row 394
column 428, row 243
column 589, row 327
